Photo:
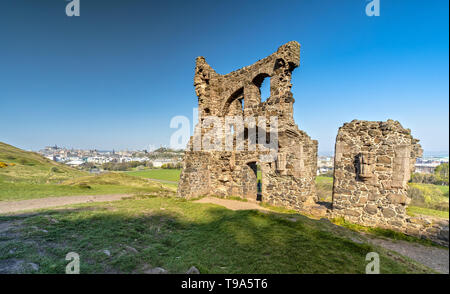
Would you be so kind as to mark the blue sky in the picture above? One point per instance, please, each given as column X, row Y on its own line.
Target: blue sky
column 116, row 75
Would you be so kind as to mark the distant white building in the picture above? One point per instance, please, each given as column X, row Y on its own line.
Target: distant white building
column 75, row 162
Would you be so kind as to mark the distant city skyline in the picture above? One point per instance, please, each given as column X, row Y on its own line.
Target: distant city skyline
column 321, row 153
column 114, row 77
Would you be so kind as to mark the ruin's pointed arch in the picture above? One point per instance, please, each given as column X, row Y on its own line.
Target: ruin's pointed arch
column 238, row 94
column 259, row 79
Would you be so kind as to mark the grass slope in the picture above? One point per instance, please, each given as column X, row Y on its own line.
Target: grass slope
column 31, row 167
column 149, row 232
column 109, row 183
column 158, row 174
column 29, row 175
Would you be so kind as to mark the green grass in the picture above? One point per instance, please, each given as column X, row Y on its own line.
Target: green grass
column 415, row 210
column 109, row 183
column 433, row 193
column 31, row 167
column 324, row 188
column 172, row 175
column 379, row 232
column 177, row 234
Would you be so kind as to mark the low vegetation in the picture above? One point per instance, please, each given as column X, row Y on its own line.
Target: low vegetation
column 324, row 188
column 439, row 177
column 134, row 235
column 379, row 232
column 30, row 167
column 122, row 166
column 417, row 211
column 28, row 175
column 172, row 175
column 432, row 197
column 108, row 183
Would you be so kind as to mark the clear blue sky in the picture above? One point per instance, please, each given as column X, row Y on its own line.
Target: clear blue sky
column 116, row 75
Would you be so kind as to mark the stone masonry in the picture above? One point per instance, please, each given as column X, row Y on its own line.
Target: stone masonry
column 288, row 179
column 373, row 163
column 373, row 159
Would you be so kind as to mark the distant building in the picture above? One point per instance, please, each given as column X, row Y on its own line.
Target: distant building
column 77, row 162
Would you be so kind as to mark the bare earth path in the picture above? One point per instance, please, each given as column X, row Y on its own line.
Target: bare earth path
column 15, row 206
column 231, row 204
column 433, row 257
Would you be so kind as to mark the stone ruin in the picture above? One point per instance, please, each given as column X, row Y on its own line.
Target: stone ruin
column 373, row 160
column 288, row 179
column 372, row 166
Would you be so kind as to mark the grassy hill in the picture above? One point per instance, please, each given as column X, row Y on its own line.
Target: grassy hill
column 26, row 175
column 30, row 167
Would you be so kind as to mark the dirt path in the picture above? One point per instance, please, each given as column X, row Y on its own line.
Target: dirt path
column 432, row 257
column 162, row 181
column 231, row 204
column 15, row 206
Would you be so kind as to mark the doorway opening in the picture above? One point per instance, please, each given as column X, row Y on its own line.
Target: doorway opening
column 255, row 181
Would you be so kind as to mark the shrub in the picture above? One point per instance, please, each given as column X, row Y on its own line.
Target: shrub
column 55, row 170
column 172, row 165
column 84, row 186
column 24, row 161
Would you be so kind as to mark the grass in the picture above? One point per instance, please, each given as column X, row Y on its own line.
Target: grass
column 109, row 183
column 31, row 167
column 172, row 175
column 415, row 211
column 379, row 232
column 429, row 196
column 177, row 234
column 324, row 188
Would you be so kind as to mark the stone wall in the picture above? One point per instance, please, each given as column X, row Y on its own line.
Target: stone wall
column 373, row 163
column 373, row 160
column 288, row 178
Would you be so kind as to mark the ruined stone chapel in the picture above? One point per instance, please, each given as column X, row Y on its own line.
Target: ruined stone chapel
column 373, row 160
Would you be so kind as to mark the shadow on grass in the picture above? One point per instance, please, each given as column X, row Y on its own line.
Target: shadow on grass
column 129, row 235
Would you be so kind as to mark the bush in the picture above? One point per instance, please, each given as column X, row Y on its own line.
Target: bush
column 428, row 196
column 121, row 166
column 172, row 165
column 439, row 177
column 84, row 186
column 54, row 169
column 24, row 161
column 417, row 198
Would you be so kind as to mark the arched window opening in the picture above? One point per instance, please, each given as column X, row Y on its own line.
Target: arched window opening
column 265, row 89
column 262, row 81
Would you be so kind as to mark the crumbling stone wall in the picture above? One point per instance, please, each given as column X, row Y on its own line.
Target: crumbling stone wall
column 288, row 179
column 373, row 163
